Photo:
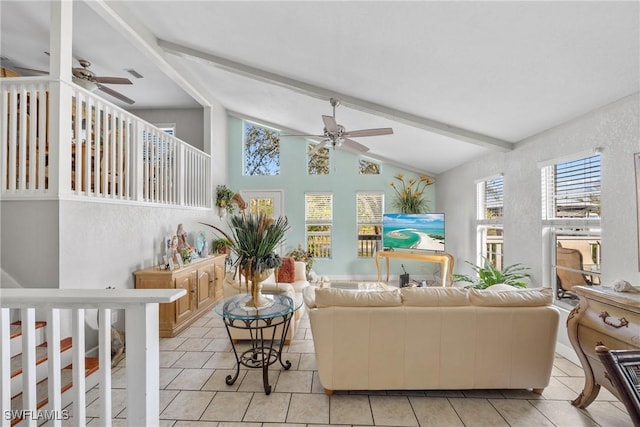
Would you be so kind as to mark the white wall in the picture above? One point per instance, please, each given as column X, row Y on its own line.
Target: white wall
column 189, row 122
column 616, row 129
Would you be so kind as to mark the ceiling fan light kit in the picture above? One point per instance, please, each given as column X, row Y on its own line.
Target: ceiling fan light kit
column 337, row 135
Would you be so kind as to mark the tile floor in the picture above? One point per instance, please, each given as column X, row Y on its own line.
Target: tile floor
column 193, row 367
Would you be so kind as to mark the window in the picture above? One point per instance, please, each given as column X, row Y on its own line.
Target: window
column 369, row 210
column 169, row 128
column 369, row 168
column 318, row 163
column 571, row 220
column 319, row 221
column 490, row 213
column 261, row 150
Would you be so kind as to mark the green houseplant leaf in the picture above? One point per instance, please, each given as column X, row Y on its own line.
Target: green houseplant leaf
column 488, row 275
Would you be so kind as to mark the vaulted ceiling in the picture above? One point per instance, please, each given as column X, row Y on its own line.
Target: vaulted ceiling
column 455, row 80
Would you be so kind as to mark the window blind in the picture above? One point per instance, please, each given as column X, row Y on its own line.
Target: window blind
column 318, row 208
column 369, row 208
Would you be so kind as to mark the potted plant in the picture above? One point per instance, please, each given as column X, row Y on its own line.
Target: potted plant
column 254, row 239
column 221, row 246
column 489, row 275
column 410, row 195
column 224, row 196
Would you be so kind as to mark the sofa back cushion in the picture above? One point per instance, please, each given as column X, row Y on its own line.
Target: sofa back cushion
column 434, row 297
column 300, row 271
column 532, row 297
column 328, row 297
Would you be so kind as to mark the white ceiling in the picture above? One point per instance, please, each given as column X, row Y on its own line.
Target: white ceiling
column 455, row 80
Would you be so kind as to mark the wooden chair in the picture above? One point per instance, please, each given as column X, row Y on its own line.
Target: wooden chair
column 623, row 370
column 572, row 277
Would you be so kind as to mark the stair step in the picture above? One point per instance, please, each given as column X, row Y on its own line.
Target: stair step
column 15, row 329
column 41, row 356
column 42, row 387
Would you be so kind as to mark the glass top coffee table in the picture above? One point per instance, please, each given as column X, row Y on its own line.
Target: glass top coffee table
column 262, row 324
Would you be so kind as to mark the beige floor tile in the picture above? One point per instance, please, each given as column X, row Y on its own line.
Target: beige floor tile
column 219, row 333
column 482, row 394
column 520, row 394
column 568, row 367
column 169, row 344
column 292, row 358
column 268, row 408
column 435, row 411
column 194, row 344
column 252, row 380
column 167, row 375
column 520, row 413
column 166, row 397
column 477, row 412
column 557, row 390
column 574, row 383
column 607, row 414
column 284, row 425
column 195, row 424
column 301, row 346
column 316, row 387
column 190, row 379
column 444, row 393
column 188, row 405
column 226, row 424
column 200, row 322
column 118, row 403
column 192, row 359
column 221, row 360
column 294, row 382
column 195, row 331
column 563, row 413
column 217, row 381
column 119, row 378
column 392, row 411
column 350, row 409
column 227, row 406
column 219, row 344
column 308, row 408
column 168, row 358
column 307, row 362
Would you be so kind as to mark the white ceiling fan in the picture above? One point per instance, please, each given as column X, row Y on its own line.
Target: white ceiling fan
column 336, row 134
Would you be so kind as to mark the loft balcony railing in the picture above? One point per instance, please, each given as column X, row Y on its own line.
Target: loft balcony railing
column 114, row 155
column 141, row 311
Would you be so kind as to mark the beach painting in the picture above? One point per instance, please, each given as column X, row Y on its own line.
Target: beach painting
column 413, row 231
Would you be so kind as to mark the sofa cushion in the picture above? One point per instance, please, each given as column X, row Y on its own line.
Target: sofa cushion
column 434, row 297
column 512, row 298
column 300, row 271
column 345, row 298
column 286, row 271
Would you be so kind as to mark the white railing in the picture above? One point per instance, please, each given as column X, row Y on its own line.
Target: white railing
column 114, row 154
column 142, row 352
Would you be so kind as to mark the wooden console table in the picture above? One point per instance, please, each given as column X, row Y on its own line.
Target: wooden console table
column 444, row 259
column 606, row 317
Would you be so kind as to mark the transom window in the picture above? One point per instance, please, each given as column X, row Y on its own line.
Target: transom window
column 370, row 207
column 319, row 162
column 319, row 223
column 368, row 168
column 261, row 154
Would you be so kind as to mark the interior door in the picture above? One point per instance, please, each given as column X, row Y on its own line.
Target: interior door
column 271, row 202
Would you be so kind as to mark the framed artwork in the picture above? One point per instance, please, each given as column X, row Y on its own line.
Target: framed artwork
column 637, row 168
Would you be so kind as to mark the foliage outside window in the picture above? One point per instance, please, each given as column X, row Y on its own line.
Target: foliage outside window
column 261, row 150
column 264, row 206
column 571, row 220
column 370, row 207
column 490, row 204
column 319, row 162
column 410, row 196
column 368, row 168
column 319, row 223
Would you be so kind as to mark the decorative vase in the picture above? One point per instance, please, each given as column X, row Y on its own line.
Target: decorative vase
column 258, row 300
column 222, row 212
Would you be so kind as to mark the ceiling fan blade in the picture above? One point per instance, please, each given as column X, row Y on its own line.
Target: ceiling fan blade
column 317, row 148
column 113, row 80
column 330, row 124
column 115, row 94
column 31, row 70
column 350, row 143
column 368, row 132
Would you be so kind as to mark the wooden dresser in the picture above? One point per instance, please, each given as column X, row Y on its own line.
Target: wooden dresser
column 607, row 317
column 202, row 279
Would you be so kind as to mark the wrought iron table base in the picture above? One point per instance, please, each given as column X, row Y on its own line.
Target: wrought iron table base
column 262, row 353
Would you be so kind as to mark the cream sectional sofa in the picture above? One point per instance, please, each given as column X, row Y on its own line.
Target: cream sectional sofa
column 433, row 338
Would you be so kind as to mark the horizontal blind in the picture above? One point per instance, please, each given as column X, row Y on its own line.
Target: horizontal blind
column 318, row 208
column 491, row 199
column 370, row 206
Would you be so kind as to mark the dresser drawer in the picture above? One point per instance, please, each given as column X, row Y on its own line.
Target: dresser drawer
column 590, row 338
column 611, row 320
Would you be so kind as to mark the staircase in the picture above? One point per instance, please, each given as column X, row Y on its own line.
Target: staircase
column 44, row 412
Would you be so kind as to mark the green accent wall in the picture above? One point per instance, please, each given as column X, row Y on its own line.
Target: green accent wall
column 343, row 181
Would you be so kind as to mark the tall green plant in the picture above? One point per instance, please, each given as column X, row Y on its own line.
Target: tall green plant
column 410, row 195
column 254, row 238
column 489, row 275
